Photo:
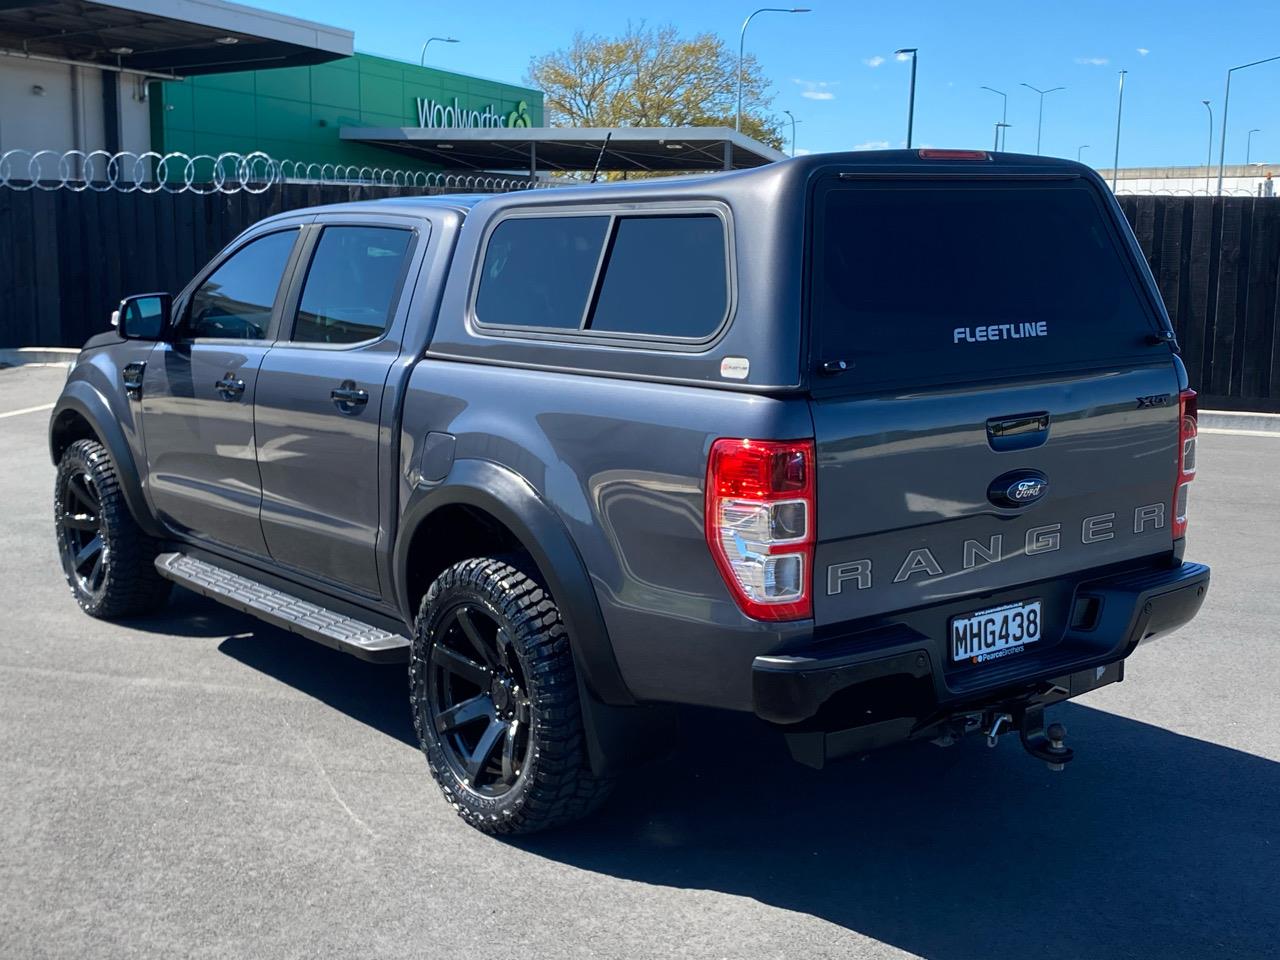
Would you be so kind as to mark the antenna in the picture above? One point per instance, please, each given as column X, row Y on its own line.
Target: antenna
column 595, row 174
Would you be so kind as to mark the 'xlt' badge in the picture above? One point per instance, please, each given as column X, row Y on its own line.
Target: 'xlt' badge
column 1018, row 488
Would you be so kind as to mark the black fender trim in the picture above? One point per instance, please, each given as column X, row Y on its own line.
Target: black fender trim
column 510, row 499
column 84, row 400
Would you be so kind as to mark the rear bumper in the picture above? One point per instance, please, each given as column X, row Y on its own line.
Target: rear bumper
column 892, row 682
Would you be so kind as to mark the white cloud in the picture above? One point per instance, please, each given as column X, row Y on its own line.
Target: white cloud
column 1143, row 51
column 873, row 145
column 902, row 56
column 802, row 152
column 1093, row 61
column 874, row 61
column 816, row 89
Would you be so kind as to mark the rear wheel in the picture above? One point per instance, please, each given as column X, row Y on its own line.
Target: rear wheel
column 495, row 701
column 108, row 561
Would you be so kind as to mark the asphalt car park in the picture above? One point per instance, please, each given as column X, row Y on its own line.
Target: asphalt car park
column 201, row 784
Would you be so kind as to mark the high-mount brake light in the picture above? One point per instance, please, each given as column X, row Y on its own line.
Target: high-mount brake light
column 930, row 153
column 1188, row 428
column 760, row 524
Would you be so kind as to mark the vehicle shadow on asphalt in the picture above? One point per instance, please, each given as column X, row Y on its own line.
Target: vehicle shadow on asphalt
column 1150, row 844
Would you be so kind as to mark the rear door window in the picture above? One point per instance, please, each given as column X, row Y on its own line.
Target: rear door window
column 934, row 282
column 352, row 284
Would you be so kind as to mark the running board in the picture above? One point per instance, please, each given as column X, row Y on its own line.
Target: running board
column 284, row 610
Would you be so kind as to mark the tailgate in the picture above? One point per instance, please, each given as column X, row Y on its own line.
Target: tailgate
column 905, row 507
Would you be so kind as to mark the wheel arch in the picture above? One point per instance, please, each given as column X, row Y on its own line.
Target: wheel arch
column 517, row 517
column 82, row 414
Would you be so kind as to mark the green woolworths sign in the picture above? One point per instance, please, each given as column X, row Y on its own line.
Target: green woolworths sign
column 434, row 114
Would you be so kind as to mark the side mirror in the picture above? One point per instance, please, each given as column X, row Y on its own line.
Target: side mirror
column 144, row 317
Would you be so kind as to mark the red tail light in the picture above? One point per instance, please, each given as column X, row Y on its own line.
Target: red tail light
column 1188, row 410
column 932, row 153
column 760, row 524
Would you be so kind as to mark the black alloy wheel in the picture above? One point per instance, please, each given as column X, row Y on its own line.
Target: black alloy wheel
column 81, row 536
column 480, row 706
column 109, row 562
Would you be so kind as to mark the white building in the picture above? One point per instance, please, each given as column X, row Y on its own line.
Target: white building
column 1238, row 180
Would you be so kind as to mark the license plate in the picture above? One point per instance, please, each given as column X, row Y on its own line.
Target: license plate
column 995, row 633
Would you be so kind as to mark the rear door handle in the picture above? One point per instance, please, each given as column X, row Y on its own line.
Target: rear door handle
column 1018, row 433
column 230, row 387
column 349, row 398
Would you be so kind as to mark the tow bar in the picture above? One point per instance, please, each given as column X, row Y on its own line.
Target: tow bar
column 1047, row 744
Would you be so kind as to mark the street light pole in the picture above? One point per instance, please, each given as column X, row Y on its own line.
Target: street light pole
column 1000, row 128
column 1208, row 163
column 1040, row 117
column 1004, row 110
column 793, row 131
column 911, row 97
column 1226, row 100
column 742, row 44
column 1248, row 145
column 1115, row 162
column 1080, row 150
column 422, row 61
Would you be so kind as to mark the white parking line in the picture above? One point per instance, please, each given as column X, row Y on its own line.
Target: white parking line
column 1226, row 431
column 18, row 413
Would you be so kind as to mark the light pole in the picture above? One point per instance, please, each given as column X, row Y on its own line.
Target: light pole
column 911, row 97
column 1248, row 145
column 1000, row 128
column 1004, row 111
column 1040, row 118
column 1226, row 100
column 794, row 121
column 742, row 42
column 422, row 61
column 1208, row 163
column 1080, row 150
column 1115, row 163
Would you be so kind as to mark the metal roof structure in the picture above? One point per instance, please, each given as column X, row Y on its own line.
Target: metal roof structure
column 535, row 149
column 171, row 38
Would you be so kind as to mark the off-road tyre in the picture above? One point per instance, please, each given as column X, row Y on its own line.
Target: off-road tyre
column 117, row 577
column 551, row 785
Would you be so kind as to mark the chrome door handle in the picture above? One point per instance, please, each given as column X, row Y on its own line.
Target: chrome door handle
column 230, row 387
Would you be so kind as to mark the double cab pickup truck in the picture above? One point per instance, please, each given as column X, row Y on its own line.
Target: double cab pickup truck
column 878, row 447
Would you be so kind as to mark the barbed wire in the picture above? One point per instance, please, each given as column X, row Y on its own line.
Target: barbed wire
column 1123, row 191
column 151, row 172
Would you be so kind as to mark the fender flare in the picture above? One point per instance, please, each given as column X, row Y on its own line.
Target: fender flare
column 511, row 500
column 83, row 399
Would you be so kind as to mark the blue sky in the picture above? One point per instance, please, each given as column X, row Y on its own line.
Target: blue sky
column 834, row 67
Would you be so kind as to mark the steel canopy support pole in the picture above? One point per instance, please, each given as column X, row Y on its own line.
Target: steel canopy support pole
column 728, row 155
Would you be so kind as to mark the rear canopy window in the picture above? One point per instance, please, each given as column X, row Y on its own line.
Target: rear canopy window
column 919, row 282
column 658, row 276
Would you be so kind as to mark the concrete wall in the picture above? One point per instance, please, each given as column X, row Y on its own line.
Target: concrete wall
column 54, row 106
column 1237, row 180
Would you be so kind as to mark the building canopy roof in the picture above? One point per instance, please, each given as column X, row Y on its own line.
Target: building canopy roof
column 175, row 37
column 533, row 149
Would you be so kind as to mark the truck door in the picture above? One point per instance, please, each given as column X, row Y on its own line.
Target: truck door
column 319, row 403
column 197, row 397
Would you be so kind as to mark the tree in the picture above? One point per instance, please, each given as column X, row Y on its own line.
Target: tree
column 651, row 77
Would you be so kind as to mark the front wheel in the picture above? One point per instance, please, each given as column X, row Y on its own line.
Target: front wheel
column 108, row 561
column 495, row 701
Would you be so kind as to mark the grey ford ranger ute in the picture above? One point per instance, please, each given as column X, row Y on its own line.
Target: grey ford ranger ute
column 877, row 446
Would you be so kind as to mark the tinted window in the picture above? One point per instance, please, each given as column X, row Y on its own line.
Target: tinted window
column 538, row 270
column 665, row 277
column 352, row 283
column 926, row 282
column 235, row 301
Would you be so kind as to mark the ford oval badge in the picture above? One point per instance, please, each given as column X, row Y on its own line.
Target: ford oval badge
column 1019, row 488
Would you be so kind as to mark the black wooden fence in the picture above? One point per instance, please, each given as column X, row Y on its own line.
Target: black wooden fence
column 67, row 257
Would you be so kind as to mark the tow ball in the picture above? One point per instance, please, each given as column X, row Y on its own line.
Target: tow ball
column 1043, row 743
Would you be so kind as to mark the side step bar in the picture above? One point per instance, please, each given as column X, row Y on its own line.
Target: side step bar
column 284, row 610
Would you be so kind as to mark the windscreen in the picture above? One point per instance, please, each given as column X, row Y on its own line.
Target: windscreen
column 928, row 282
